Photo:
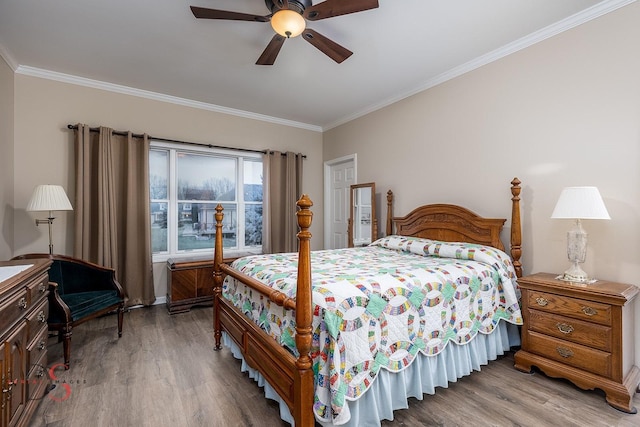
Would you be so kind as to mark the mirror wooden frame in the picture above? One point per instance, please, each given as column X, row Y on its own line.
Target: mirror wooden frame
column 374, row 222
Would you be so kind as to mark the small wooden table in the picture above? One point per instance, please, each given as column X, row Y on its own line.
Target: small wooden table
column 581, row 332
column 190, row 283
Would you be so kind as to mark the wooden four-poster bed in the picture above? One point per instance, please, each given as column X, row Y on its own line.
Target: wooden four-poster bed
column 290, row 370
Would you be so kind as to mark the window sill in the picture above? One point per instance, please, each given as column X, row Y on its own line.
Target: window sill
column 231, row 253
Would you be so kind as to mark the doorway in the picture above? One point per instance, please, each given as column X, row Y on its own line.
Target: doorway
column 339, row 174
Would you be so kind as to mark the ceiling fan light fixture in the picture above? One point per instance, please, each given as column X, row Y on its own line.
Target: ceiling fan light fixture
column 288, row 23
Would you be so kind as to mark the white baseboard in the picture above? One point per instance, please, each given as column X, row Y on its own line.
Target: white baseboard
column 158, row 301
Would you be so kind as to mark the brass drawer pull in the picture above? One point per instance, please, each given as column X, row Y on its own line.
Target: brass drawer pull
column 42, row 345
column 22, row 303
column 41, row 317
column 564, row 352
column 589, row 311
column 42, row 288
column 564, row 328
column 40, row 373
column 542, row 302
column 8, row 383
column 8, row 390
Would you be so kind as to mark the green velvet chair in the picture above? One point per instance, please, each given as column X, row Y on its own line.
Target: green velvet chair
column 79, row 291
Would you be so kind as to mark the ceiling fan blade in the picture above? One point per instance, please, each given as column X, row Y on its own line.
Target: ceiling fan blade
column 270, row 53
column 330, row 8
column 202, row 12
column 330, row 48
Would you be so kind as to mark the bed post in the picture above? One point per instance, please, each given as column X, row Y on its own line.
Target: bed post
column 304, row 382
column 389, row 212
column 217, row 277
column 516, row 227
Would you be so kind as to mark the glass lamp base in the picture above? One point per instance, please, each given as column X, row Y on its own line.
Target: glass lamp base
column 575, row 274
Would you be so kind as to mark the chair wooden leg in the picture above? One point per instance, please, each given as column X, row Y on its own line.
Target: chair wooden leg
column 66, row 334
column 120, row 319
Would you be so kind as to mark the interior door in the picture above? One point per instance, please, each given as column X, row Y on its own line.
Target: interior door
column 339, row 175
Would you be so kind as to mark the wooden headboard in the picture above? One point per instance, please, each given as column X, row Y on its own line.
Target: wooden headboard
column 452, row 223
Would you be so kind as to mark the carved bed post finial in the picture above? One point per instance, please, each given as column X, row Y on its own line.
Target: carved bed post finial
column 217, row 277
column 389, row 212
column 516, row 227
column 303, row 410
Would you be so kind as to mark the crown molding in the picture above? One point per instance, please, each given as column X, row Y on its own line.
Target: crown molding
column 536, row 37
column 8, row 58
column 589, row 14
column 155, row 96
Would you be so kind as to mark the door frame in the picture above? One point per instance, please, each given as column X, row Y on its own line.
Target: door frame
column 328, row 165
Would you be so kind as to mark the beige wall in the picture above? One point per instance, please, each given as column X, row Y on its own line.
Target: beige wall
column 564, row 112
column 44, row 147
column 6, row 160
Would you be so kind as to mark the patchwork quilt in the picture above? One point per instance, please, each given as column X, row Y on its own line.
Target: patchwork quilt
column 378, row 307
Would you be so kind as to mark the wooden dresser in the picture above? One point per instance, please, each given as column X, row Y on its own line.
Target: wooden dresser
column 23, row 338
column 190, row 283
column 581, row 332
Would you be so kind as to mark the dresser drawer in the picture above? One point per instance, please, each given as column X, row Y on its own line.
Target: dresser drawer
column 579, row 356
column 37, row 347
column 37, row 318
column 13, row 308
column 37, row 289
column 574, row 330
column 579, row 309
column 38, row 378
column 38, row 365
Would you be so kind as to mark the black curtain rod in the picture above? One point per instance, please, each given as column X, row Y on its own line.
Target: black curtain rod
column 138, row 135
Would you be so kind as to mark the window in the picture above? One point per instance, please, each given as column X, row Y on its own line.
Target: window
column 186, row 186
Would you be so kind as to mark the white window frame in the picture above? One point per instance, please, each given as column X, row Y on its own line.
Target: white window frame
column 172, row 201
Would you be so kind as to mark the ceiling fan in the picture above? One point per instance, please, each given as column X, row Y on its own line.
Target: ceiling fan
column 288, row 18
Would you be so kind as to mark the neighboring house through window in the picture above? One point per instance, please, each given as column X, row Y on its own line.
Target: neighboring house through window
column 187, row 183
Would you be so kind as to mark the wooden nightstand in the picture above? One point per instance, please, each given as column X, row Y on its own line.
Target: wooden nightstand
column 581, row 332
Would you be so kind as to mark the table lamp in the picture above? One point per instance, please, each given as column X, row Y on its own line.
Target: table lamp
column 578, row 203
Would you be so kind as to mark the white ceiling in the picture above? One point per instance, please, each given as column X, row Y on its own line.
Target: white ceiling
column 400, row 48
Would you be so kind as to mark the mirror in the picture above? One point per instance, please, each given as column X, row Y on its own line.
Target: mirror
column 363, row 225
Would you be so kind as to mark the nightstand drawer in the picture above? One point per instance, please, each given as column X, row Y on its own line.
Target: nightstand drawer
column 580, row 309
column 574, row 330
column 586, row 358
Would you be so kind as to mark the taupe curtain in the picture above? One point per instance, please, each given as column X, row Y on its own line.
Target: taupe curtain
column 282, row 188
column 112, row 212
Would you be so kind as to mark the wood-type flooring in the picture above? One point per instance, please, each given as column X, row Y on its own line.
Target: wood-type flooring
column 164, row 372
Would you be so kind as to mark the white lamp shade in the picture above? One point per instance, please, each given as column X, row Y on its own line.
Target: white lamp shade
column 49, row 198
column 580, row 203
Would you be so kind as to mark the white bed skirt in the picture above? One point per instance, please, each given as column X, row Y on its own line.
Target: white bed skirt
column 391, row 390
